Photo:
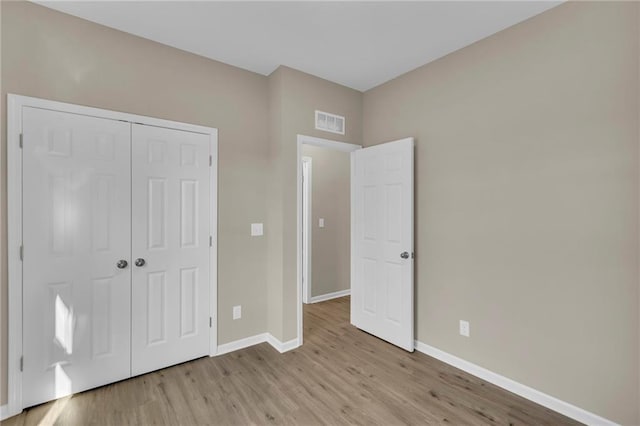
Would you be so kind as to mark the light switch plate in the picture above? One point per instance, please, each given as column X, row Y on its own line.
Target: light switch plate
column 237, row 312
column 464, row 328
column 321, row 222
column 257, row 229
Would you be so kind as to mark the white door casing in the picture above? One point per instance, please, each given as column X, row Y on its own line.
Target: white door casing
column 76, row 228
column 307, row 217
column 382, row 241
column 170, row 232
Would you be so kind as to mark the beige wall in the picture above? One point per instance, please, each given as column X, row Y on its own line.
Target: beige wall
column 330, row 200
column 55, row 56
column 274, row 225
column 527, row 201
column 297, row 95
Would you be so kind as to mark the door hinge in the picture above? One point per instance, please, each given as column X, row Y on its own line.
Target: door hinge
column 412, row 255
column 210, row 240
column 22, row 363
column 21, row 253
column 21, row 140
column 210, row 322
column 210, row 160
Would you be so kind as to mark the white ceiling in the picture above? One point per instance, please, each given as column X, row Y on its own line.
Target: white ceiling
column 357, row 44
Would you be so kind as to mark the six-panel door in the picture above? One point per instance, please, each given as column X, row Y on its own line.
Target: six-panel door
column 116, row 251
column 382, row 261
column 170, row 232
column 77, row 226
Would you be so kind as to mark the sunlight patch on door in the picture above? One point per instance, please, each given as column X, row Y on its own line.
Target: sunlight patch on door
column 62, row 382
column 63, row 326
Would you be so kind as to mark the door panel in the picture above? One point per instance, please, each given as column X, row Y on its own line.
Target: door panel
column 76, row 226
column 382, row 288
column 170, row 210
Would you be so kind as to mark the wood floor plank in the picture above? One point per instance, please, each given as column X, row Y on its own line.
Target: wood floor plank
column 340, row 375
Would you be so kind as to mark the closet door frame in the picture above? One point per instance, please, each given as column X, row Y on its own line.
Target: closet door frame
column 15, row 104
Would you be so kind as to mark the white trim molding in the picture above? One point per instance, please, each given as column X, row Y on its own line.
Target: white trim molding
column 329, row 296
column 325, row 143
column 4, row 412
column 236, row 345
column 307, row 237
column 282, row 347
column 14, row 263
column 512, row 386
column 213, row 245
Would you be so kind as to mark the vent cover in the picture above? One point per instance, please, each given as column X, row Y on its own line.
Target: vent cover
column 329, row 122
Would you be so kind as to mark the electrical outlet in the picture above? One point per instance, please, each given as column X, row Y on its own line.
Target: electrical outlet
column 464, row 328
column 257, row 229
column 321, row 223
column 237, row 312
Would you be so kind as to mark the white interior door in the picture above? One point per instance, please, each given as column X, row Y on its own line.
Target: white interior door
column 382, row 241
column 170, row 230
column 76, row 227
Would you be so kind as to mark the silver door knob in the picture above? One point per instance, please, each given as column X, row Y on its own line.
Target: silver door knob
column 122, row 264
column 140, row 262
column 404, row 255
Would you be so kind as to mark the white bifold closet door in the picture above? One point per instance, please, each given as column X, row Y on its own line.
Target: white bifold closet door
column 77, row 226
column 116, row 251
column 170, row 229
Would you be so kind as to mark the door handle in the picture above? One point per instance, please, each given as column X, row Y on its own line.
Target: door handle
column 122, row 264
column 404, row 255
column 140, row 262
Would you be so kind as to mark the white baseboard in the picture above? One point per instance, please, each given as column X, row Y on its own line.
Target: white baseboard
column 242, row 343
column 329, row 296
column 255, row 340
column 282, row 346
column 524, row 391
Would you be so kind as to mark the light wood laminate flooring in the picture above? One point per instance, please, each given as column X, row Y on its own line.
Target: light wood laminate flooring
column 340, row 375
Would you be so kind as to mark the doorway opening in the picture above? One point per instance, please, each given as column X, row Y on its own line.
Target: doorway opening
column 324, row 222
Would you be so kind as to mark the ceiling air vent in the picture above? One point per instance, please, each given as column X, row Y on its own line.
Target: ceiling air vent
column 329, row 122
